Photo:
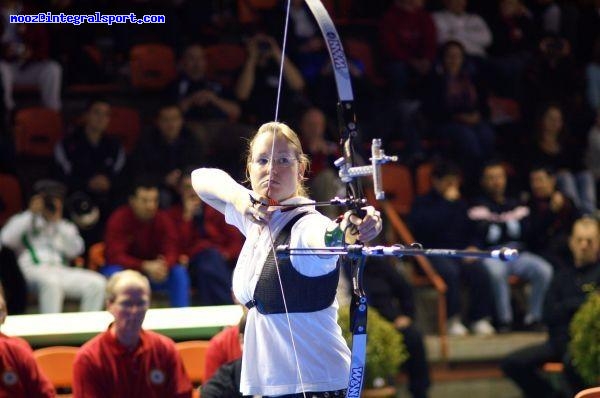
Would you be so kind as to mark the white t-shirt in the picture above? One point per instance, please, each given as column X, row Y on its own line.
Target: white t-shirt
column 269, row 365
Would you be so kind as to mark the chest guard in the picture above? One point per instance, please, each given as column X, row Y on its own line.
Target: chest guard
column 302, row 293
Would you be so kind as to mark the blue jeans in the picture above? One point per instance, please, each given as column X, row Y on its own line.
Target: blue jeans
column 580, row 188
column 454, row 271
column 177, row 283
column 528, row 266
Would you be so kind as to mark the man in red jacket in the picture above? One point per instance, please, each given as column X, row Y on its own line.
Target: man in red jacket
column 139, row 236
column 211, row 244
column 127, row 361
column 20, row 376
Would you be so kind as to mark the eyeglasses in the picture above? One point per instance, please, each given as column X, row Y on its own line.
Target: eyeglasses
column 284, row 161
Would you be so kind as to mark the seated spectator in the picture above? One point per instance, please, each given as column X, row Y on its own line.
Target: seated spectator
column 439, row 219
column 566, row 294
column 554, row 147
column 166, row 152
column 26, row 58
column 390, row 293
column 211, row 245
column 551, row 76
column 139, row 236
column 592, row 156
column 225, row 347
column 90, row 161
column 44, row 243
column 126, row 360
column 21, row 375
column 323, row 180
column 454, row 23
column 457, row 104
column 258, row 83
column 502, row 221
column 551, row 216
column 224, row 380
column 592, row 75
column 408, row 43
column 198, row 97
column 208, row 107
column 11, row 277
column 512, row 48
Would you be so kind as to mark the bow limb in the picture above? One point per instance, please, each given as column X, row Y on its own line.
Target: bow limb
column 348, row 131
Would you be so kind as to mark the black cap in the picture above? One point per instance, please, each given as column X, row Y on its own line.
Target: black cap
column 50, row 188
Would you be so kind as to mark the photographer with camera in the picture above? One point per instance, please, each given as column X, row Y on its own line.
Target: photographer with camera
column 256, row 87
column 44, row 243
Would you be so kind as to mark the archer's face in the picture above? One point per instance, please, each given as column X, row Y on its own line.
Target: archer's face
column 278, row 179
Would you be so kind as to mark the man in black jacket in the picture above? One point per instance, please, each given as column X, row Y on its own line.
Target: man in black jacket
column 566, row 294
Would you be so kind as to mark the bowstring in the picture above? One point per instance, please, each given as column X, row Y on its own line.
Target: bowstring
column 279, row 85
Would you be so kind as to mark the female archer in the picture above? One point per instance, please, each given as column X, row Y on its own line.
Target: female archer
column 292, row 345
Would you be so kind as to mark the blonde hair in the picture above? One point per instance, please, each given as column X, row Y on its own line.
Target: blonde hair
column 128, row 277
column 282, row 130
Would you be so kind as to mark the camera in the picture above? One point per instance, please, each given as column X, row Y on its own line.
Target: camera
column 49, row 203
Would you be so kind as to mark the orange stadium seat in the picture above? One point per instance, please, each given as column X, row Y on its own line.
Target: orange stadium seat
column 224, row 60
column 125, row 124
column 37, row 130
column 152, row 66
column 11, row 198
column 57, row 364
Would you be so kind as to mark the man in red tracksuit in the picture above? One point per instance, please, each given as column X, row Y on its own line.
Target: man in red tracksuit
column 127, row 361
column 140, row 236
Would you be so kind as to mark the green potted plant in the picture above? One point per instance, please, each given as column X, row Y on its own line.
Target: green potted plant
column 385, row 347
column 584, row 346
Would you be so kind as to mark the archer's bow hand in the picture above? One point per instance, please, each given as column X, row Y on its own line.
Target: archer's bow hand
column 364, row 229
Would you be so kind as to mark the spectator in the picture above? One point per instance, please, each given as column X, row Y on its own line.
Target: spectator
column 552, row 215
column 225, row 347
column 21, row 376
column 166, row 152
column 555, row 147
column 224, row 381
column 592, row 156
column 443, row 204
column 198, row 97
column 26, row 51
column 90, row 161
column 408, row 43
column 257, row 85
column 390, row 293
column 457, row 103
column 139, row 236
column 512, row 49
column 502, row 221
column 566, row 294
column 323, row 180
column 126, row 360
column 208, row 107
column 552, row 76
column 211, row 245
column 44, row 243
column 592, row 75
column 552, row 18
column 11, row 277
column 454, row 23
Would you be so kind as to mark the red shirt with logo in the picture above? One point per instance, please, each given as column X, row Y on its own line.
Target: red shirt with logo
column 105, row 368
column 223, row 348
column 20, row 376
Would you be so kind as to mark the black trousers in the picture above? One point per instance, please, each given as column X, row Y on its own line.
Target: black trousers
column 416, row 365
column 523, row 367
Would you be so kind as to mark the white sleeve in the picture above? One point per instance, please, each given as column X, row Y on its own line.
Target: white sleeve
column 478, row 32
column 309, row 231
column 67, row 239
column 18, row 225
column 217, row 188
